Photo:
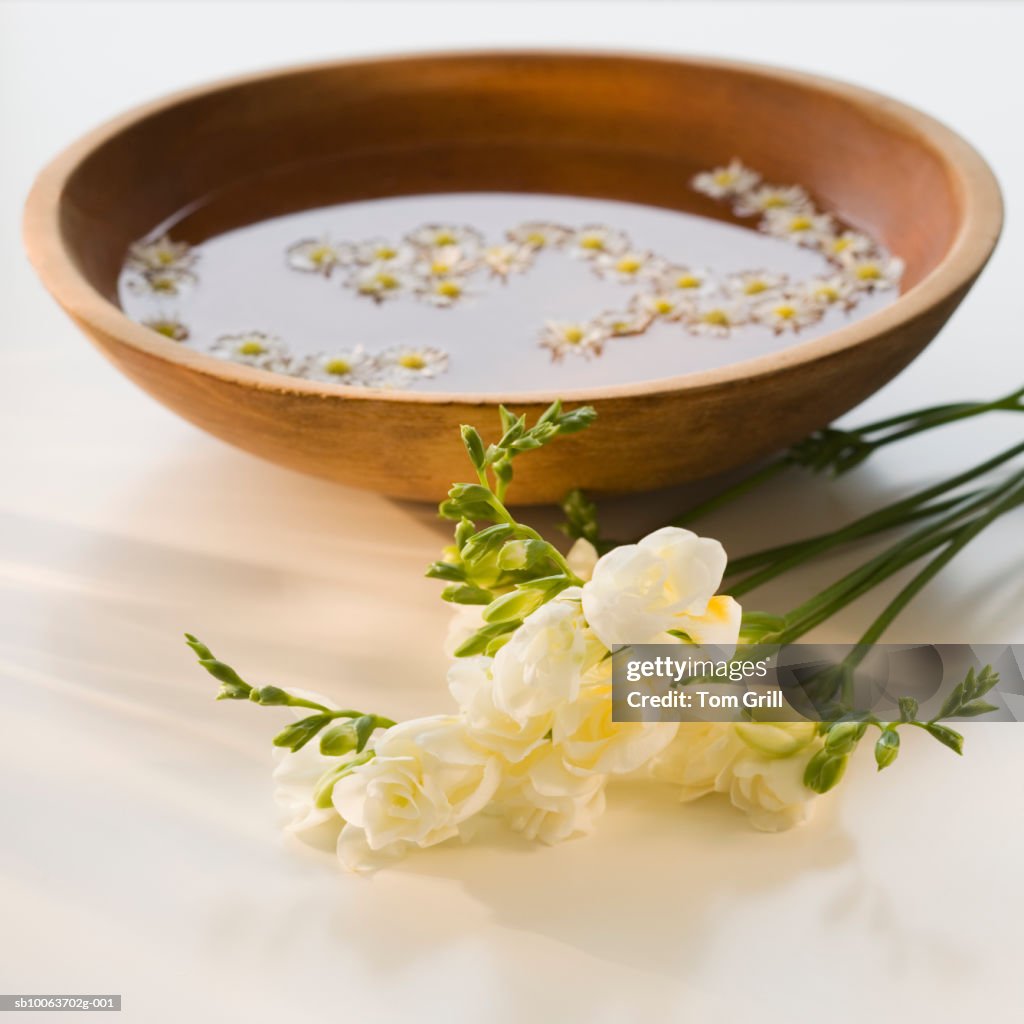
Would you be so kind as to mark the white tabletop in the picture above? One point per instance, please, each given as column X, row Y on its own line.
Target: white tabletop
column 139, row 852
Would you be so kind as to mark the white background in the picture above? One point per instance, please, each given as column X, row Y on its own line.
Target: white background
column 138, row 852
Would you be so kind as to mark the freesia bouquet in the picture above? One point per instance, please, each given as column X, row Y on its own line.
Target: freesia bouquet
column 530, row 735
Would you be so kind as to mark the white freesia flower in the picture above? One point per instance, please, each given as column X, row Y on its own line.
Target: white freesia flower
column 666, row 582
column 542, row 665
column 589, row 741
column 581, row 558
column 470, row 683
column 425, row 781
column 760, row 766
column 545, row 799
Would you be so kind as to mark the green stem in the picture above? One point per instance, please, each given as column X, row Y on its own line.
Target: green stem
column 764, row 474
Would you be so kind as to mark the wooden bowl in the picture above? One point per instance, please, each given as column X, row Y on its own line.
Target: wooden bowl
column 619, row 127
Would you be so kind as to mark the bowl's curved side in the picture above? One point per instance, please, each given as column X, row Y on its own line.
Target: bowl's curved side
column 649, row 434
column 639, row 442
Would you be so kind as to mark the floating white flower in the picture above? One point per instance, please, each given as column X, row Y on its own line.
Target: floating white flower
column 585, row 338
column 431, row 237
column 317, row 256
column 442, row 291
column 716, row 317
column 754, row 284
column 630, row 266
column 845, row 244
column 352, row 366
column 408, row 362
column 692, row 280
column 665, row 305
column 872, row 273
column 624, row 324
column 730, row 180
column 539, row 234
column 787, row 313
column 667, row 581
column 378, row 281
column 169, row 327
column 827, row 291
column 161, row 256
column 383, row 254
column 771, row 197
column 448, row 261
column 595, row 240
column 425, row 781
column 804, row 227
column 162, row 282
column 507, row 259
column 253, row 348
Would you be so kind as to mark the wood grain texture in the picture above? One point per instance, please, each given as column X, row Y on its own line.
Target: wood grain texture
column 617, row 127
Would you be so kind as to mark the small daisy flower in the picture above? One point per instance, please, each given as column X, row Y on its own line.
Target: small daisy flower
column 845, row 245
column 443, row 236
column 754, row 284
column 787, row 313
column 504, row 260
column 348, row 366
column 253, row 348
column 379, row 252
column 692, row 280
column 405, row 363
column 317, row 256
column 722, row 182
column 442, row 291
column 379, row 282
column 445, row 262
column 162, row 282
column 716, row 318
column 771, row 197
column 169, row 327
column 665, row 305
column 625, row 324
column 805, row 227
column 629, row 266
column 872, row 273
column 594, row 240
column 583, row 338
column 828, row 291
column 163, row 255
column 539, row 234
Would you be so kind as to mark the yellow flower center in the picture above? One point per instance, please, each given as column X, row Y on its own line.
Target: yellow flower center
column 785, row 312
column 628, row 265
column 439, row 267
column 338, row 367
column 688, row 281
column 166, row 328
column 664, row 306
column 537, row 239
column 380, row 282
column 716, row 317
column 723, row 178
column 868, row 272
column 163, row 284
column 449, row 289
column 385, row 252
column 592, row 242
column 445, row 238
column 840, row 244
column 827, row 293
column 165, row 257
column 321, row 255
column 252, row 347
column 573, row 335
column 412, row 361
column 800, row 224
column 755, row 287
column 773, row 201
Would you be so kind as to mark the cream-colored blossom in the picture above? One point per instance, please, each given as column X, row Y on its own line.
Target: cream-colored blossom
column 161, row 256
column 716, row 317
column 827, row 291
column 581, row 558
column 426, row 780
column 665, row 305
column 629, row 266
column 442, row 291
column 804, row 227
column 638, row 592
column 539, row 234
column 379, row 281
column 402, row 364
column 691, row 281
column 507, row 259
column 383, row 254
column 624, row 324
column 755, row 284
column 353, row 366
column 872, row 273
column 318, row 256
column 253, row 348
column 432, row 237
column 169, row 326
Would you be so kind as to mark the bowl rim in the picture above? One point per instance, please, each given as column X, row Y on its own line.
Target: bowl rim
column 978, row 231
